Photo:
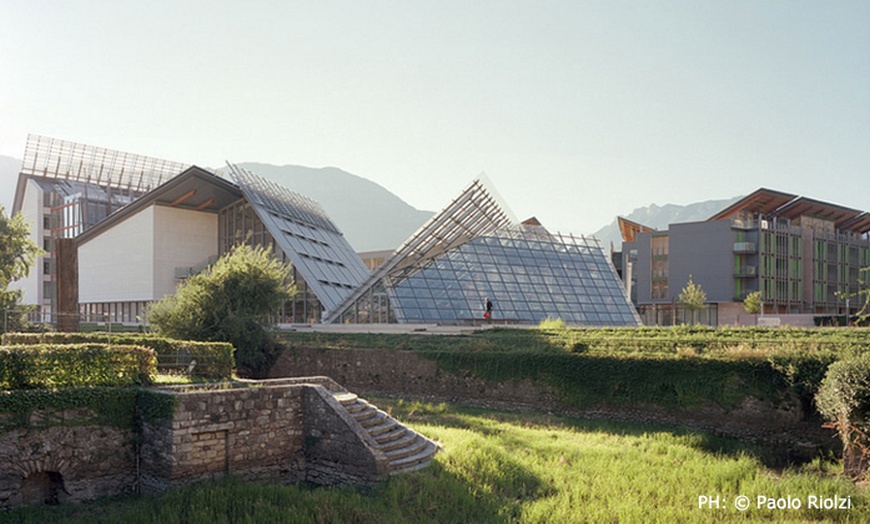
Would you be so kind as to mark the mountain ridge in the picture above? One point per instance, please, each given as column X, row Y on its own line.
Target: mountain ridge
column 660, row 217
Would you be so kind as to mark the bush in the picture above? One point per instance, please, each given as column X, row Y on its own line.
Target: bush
column 46, row 366
column 552, row 323
column 233, row 302
column 213, row 359
column 844, row 399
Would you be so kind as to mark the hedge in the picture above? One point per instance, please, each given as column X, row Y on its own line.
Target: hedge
column 212, row 359
column 52, row 366
column 118, row 407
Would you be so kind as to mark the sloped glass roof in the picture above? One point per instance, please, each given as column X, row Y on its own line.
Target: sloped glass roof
column 528, row 279
column 53, row 158
column 314, row 244
column 473, row 250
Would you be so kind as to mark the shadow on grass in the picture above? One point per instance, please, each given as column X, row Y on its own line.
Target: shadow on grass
column 431, row 495
column 476, row 419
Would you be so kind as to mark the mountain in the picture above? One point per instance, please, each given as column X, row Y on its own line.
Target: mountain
column 9, row 168
column 659, row 217
column 370, row 217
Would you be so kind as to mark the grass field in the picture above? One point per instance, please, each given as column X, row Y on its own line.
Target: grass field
column 517, row 467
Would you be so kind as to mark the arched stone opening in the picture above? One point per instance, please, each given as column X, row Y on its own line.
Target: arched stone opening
column 42, row 487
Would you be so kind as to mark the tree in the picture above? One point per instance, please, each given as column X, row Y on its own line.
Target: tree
column 233, row 301
column 844, row 399
column 17, row 255
column 863, row 294
column 752, row 302
column 693, row 297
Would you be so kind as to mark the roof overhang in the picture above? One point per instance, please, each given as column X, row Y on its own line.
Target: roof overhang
column 763, row 201
column 629, row 229
column 194, row 189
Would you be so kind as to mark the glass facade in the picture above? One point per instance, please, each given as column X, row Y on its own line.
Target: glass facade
column 239, row 224
column 526, row 277
column 474, row 250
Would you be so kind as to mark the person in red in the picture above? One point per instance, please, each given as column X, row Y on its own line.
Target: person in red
column 488, row 307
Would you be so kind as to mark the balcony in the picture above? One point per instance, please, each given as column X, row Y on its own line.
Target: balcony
column 746, row 272
column 746, row 224
column 744, row 247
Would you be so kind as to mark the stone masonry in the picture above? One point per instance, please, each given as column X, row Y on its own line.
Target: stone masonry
column 287, row 430
column 60, row 458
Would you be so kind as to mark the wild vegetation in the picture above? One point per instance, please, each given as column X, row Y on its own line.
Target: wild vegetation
column 516, row 467
column 844, row 399
column 232, row 301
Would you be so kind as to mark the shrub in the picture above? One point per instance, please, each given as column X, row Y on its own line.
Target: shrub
column 230, row 302
column 552, row 323
column 213, row 359
column 46, row 366
column 844, row 399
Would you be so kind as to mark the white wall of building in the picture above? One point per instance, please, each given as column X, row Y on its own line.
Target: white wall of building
column 182, row 238
column 32, row 209
column 135, row 260
column 118, row 265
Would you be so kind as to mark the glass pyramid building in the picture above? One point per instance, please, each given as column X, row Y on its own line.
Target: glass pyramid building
column 475, row 250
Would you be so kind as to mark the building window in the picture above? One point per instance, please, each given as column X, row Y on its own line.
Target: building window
column 46, row 244
column 46, row 222
column 46, row 267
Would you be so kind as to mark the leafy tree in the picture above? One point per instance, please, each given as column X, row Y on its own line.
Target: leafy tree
column 17, row 255
column 232, row 301
column 752, row 302
column 844, row 399
column 693, row 297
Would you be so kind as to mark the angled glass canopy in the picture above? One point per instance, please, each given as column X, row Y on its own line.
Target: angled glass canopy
column 317, row 249
column 472, row 251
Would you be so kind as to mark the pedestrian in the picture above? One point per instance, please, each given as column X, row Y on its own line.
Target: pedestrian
column 488, row 309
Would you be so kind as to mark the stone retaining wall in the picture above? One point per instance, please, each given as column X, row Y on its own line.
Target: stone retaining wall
column 288, row 430
column 406, row 373
column 62, row 457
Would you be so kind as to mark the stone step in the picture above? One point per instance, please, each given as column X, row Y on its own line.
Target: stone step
column 356, row 407
column 375, row 419
column 398, row 432
column 413, row 461
column 345, row 398
column 406, row 438
column 415, row 446
column 365, row 414
column 405, row 449
column 386, row 425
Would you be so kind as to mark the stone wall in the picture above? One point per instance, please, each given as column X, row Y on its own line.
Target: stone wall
column 288, row 430
column 406, row 373
column 63, row 457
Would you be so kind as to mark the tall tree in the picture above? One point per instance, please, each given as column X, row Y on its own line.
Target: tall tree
column 17, row 255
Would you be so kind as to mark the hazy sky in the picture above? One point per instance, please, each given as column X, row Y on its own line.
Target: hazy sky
column 577, row 111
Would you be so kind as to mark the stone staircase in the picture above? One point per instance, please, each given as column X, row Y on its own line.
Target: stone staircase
column 405, row 449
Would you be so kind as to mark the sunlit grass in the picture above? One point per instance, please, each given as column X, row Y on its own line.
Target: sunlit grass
column 514, row 467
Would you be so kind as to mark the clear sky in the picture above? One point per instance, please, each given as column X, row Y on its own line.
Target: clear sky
column 576, row 110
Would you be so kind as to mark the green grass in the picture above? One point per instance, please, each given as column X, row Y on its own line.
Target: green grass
column 509, row 467
column 552, row 336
